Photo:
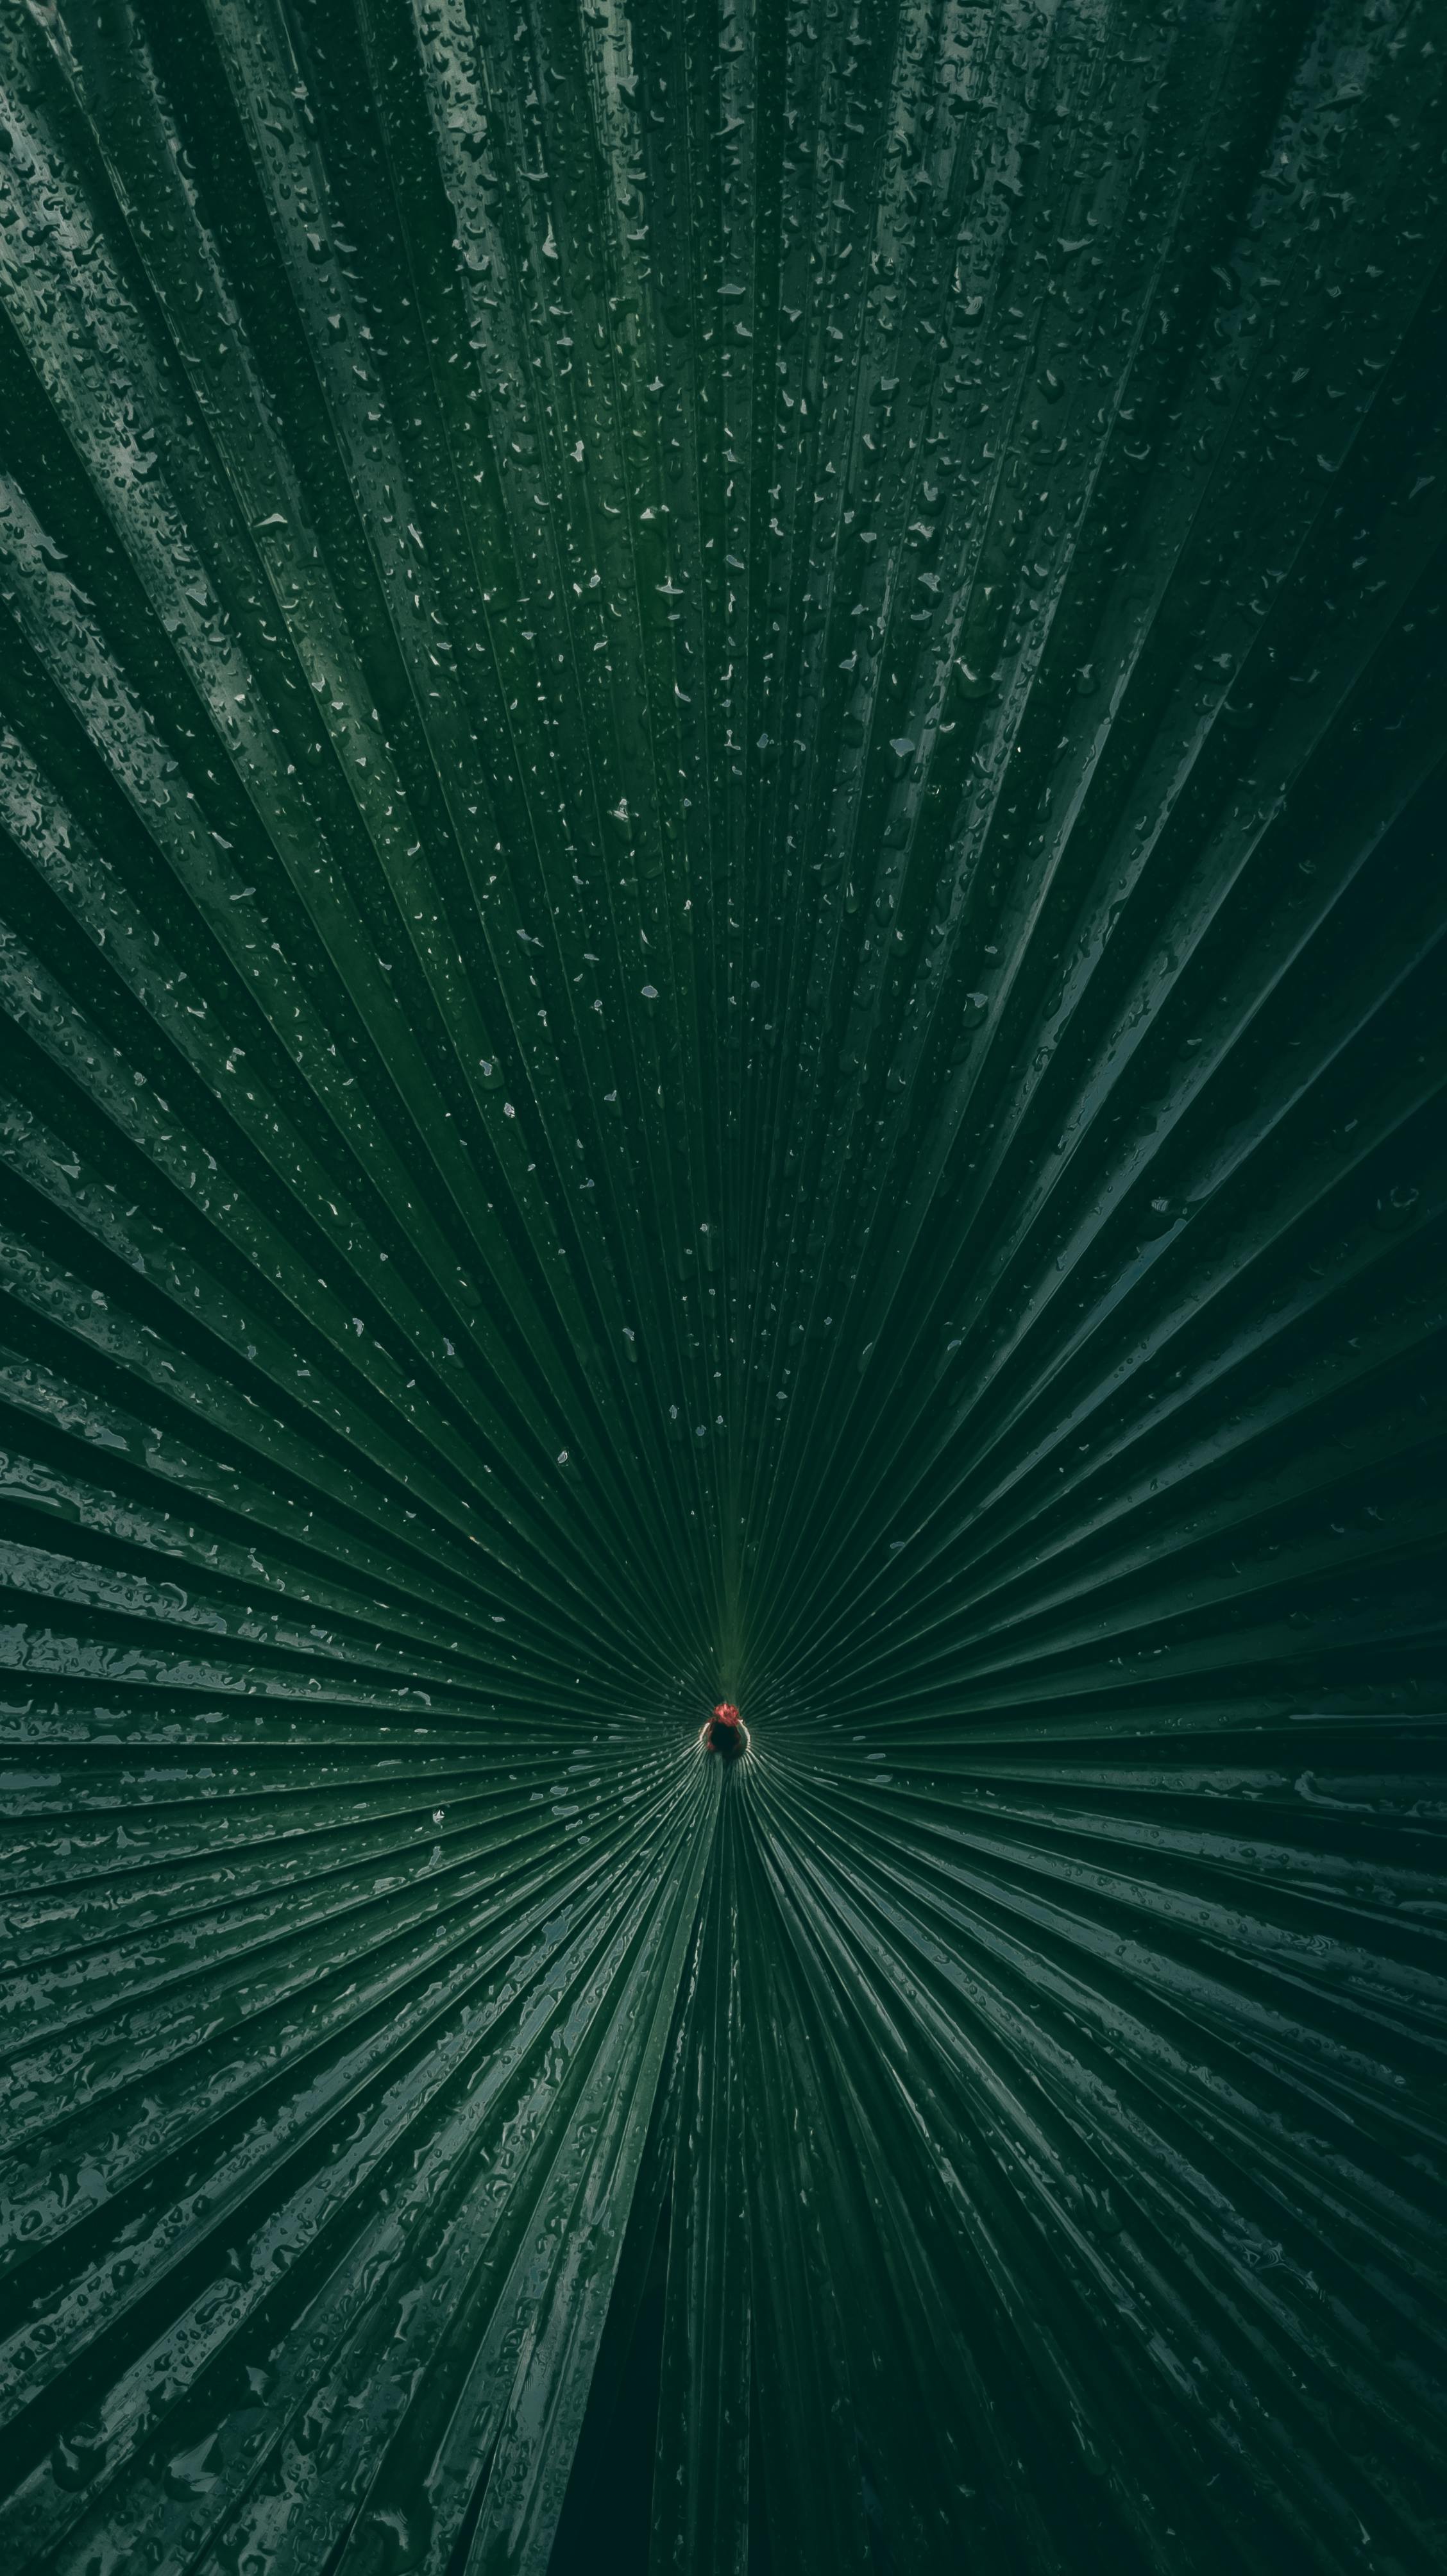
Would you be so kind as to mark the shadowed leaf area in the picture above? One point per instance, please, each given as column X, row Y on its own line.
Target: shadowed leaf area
column 722, row 1202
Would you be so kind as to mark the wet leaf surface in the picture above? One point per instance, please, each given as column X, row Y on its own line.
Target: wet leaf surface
column 721, row 779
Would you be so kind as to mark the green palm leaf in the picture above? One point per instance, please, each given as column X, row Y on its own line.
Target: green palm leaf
column 721, row 775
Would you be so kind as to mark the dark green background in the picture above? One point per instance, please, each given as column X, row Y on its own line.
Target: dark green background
column 721, row 742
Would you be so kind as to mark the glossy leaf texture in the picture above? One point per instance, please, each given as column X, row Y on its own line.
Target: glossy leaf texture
column 721, row 770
